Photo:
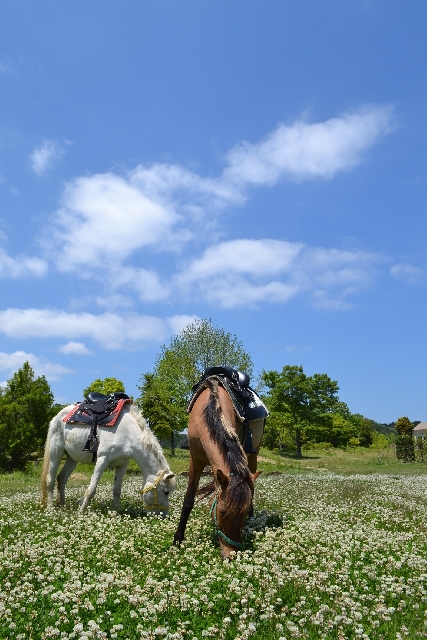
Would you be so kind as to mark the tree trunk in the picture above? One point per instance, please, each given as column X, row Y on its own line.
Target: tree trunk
column 298, row 452
column 172, row 444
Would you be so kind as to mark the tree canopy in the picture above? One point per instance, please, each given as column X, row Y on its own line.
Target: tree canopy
column 26, row 408
column 166, row 390
column 405, row 440
column 107, row 386
column 301, row 402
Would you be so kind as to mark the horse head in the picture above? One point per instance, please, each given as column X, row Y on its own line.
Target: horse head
column 156, row 494
column 230, row 507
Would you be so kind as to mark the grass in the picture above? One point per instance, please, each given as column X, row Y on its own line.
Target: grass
column 350, row 461
column 337, row 550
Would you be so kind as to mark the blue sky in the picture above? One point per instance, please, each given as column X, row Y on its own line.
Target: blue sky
column 259, row 164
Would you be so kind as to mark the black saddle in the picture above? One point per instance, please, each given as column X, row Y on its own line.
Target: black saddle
column 96, row 410
column 238, row 378
column 95, row 396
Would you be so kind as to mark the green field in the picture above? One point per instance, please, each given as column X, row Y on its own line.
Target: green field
column 337, row 549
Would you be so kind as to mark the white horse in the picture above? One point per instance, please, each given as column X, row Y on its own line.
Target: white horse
column 130, row 438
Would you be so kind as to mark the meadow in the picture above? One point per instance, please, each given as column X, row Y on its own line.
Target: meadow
column 336, row 549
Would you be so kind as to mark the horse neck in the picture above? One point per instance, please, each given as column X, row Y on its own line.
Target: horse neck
column 150, row 462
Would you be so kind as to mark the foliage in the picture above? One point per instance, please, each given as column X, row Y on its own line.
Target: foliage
column 333, row 428
column 420, row 449
column 165, row 392
column 405, row 442
column 26, row 408
column 305, row 400
column 405, row 448
column 277, row 432
column 365, row 429
column 107, row 386
column 200, row 345
column 380, row 441
column 387, row 429
column 404, row 426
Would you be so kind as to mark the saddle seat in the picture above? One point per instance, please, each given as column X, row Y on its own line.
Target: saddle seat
column 237, row 377
column 96, row 396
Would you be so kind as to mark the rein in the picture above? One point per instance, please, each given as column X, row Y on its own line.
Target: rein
column 221, row 534
column 156, row 505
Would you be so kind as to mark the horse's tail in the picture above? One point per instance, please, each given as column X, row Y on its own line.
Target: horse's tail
column 46, row 462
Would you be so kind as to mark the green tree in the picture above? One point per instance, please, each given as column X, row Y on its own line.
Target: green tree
column 306, row 398
column 405, row 440
column 278, row 431
column 107, row 386
column 165, row 392
column 420, row 448
column 363, row 427
column 26, row 408
column 332, row 428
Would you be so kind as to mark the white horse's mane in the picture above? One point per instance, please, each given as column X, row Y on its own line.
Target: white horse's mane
column 148, row 437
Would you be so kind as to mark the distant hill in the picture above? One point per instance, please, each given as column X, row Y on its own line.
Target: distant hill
column 388, row 429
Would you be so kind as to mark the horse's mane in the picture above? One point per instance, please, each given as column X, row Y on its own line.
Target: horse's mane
column 148, row 437
column 240, row 489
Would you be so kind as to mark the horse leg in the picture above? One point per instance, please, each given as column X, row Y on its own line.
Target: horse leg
column 252, row 461
column 63, row 476
column 118, row 479
column 194, row 476
column 54, row 462
column 100, row 467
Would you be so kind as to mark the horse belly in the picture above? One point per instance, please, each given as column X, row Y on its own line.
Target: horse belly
column 75, row 440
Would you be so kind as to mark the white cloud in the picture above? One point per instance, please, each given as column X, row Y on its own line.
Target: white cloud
column 255, row 271
column 11, row 362
column 302, row 151
column 107, row 220
column 75, row 348
column 21, row 266
column 408, row 273
column 144, row 282
column 110, row 330
column 44, row 156
column 104, row 219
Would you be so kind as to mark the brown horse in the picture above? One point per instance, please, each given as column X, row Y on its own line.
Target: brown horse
column 213, row 438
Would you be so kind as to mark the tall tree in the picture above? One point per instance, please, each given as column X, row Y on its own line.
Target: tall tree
column 405, row 440
column 307, row 399
column 107, row 386
column 26, row 407
column 165, row 392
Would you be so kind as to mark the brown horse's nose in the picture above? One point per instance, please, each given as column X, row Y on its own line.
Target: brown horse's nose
column 226, row 551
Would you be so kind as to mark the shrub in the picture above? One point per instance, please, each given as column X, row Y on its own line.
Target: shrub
column 405, row 442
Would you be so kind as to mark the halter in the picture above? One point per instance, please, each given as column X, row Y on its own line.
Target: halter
column 221, row 534
column 156, row 505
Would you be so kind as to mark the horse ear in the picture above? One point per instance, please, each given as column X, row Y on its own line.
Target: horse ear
column 222, row 479
column 169, row 475
column 255, row 475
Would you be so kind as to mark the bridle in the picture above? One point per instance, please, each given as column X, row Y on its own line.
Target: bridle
column 156, row 504
column 214, row 511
